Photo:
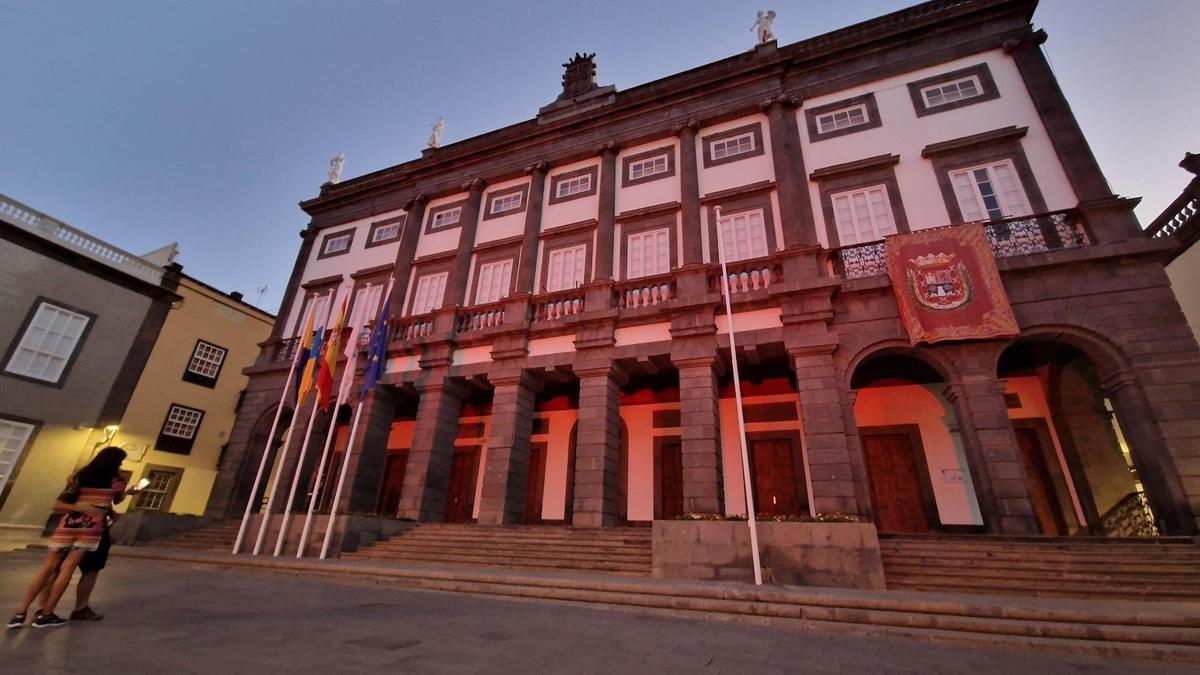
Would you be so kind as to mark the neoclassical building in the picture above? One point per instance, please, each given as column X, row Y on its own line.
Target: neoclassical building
column 557, row 342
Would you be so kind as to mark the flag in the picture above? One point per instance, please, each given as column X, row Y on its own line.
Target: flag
column 302, row 350
column 377, row 347
column 309, row 376
column 329, row 362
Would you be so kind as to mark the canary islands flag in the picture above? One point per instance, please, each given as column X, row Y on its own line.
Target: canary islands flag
column 329, row 362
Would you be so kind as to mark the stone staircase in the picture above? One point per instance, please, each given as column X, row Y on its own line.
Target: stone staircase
column 217, row 537
column 1159, row 569
column 610, row 550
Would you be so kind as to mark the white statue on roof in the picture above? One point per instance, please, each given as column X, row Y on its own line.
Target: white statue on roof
column 763, row 24
column 335, row 168
column 435, row 136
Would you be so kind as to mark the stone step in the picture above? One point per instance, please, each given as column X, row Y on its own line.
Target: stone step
column 642, row 557
column 1008, row 539
column 1022, row 579
column 642, row 569
column 1117, row 568
column 481, row 535
column 1114, row 629
column 544, row 544
column 1104, row 554
column 1127, row 549
column 987, row 587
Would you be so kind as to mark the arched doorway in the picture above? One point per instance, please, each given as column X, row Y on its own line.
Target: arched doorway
column 258, row 440
column 917, row 473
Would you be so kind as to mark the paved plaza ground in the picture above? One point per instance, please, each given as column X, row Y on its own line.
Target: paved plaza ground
column 175, row 618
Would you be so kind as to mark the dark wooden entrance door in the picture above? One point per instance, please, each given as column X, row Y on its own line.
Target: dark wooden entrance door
column 1046, row 506
column 535, row 483
column 895, row 483
column 393, row 481
column 773, row 470
column 668, row 469
column 460, row 493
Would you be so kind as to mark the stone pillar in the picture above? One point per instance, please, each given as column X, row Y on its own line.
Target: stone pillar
column 824, row 409
column 364, row 472
column 791, row 180
column 700, row 414
column 597, row 447
column 423, row 495
column 507, row 467
column 533, row 226
column 607, row 211
column 414, row 220
column 689, row 195
column 456, row 281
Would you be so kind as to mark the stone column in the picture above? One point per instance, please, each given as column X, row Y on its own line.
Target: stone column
column 689, row 195
column 364, row 472
column 507, row 467
column 791, row 180
column 414, row 220
column 533, row 226
column 597, row 447
column 700, row 415
column 423, row 495
column 824, row 408
column 456, row 281
column 607, row 211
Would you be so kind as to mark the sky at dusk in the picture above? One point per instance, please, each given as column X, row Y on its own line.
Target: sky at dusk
column 205, row 122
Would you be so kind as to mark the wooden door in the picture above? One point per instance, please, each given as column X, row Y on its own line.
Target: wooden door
column 895, row 483
column 393, row 480
column 773, row 473
column 460, row 493
column 668, row 469
column 535, row 483
column 1046, row 506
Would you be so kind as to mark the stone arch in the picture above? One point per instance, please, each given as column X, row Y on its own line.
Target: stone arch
column 259, row 433
column 900, row 348
column 1107, row 357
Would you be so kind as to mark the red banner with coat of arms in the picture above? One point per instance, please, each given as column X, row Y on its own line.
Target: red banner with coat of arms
column 947, row 285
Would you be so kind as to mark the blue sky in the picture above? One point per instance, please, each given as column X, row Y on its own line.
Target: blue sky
column 151, row 121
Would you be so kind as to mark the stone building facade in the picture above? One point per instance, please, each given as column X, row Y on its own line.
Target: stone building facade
column 557, row 343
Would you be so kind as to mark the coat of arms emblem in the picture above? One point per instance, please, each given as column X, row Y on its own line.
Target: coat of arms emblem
column 939, row 281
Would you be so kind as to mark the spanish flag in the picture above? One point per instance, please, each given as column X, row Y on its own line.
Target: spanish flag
column 329, row 362
column 306, row 338
column 309, row 376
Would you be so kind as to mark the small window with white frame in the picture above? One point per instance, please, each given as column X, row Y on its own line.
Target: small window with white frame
column 14, row 438
column 446, row 218
column 574, row 186
column 509, row 202
column 863, row 215
column 336, row 244
column 950, row 92
column 843, row 119
column 989, row 192
column 179, row 429
column 156, row 496
column 429, row 292
column 648, row 253
column 493, row 282
column 566, row 268
column 648, row 167
column 205, row 364
column 385, row 232
column 738, row 145
column 52, row 337
column 743, row 235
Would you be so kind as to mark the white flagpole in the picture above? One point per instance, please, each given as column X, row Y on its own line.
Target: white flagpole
column 262, row 465
column 312, row 418
column 347, row 372
column 737, row 393
column 337, row 494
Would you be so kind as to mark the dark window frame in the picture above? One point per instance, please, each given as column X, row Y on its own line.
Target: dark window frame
column 523, row 189
column 437, row 265
column 29, row 442
column 658, row 222
column 169, row 499
column 432, row 213
column 991, row 146
column 371, row 243
column 175, row 444
column 741, row 203
column 509, row 251
column 628, row 161
column 204, row 380
column 572, row 237
column 593, row 170
column 20, row 335
column 812, row 117
column 755, row 129
column 323, row 254
column 858, row 175
column 987, row 86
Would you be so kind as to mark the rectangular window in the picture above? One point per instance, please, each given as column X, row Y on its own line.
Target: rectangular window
column 949, row 92
column 317, row 304
column 493, row 282
column 336, row 244
column 574, row 186
column 14, row 437
column 566, row 268
column 385, row 232
column 508, row 202
column 430, row 291
column 366, row 305
column 51, row 339
column 743, row 235
column 863, row 215
column 989, row 192
column 157, row 495
column 205, row 364
column 648, row 167
column 843, row 119
column 179, row 429
column 649, row 253
column 446, row 218
column 738, row 145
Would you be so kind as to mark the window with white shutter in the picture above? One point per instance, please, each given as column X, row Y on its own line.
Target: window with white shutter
column 366, row 305
column 863, row 215
column 989, row 192
column 14, row 437
column 317, row 305
column 648, row 253
column 493, row 282
column 566, row 268
column 428, row 295
column 743, row 235
column 51, row 338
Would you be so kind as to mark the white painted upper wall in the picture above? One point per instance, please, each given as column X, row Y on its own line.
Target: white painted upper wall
column 905, row 134
column 738, row 173
column 443, row 240
column 652, row 193
column 500, row 227
column 574, row 210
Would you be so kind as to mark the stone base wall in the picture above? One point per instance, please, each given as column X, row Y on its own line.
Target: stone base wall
column 354, row 532
column 839, row 555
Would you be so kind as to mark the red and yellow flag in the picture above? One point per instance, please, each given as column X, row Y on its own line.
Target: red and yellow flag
column 329, row 359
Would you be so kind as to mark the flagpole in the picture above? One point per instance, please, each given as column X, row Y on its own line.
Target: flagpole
column 312, row 418
column 337, row 493
column 262, row 465
column 741, row 417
